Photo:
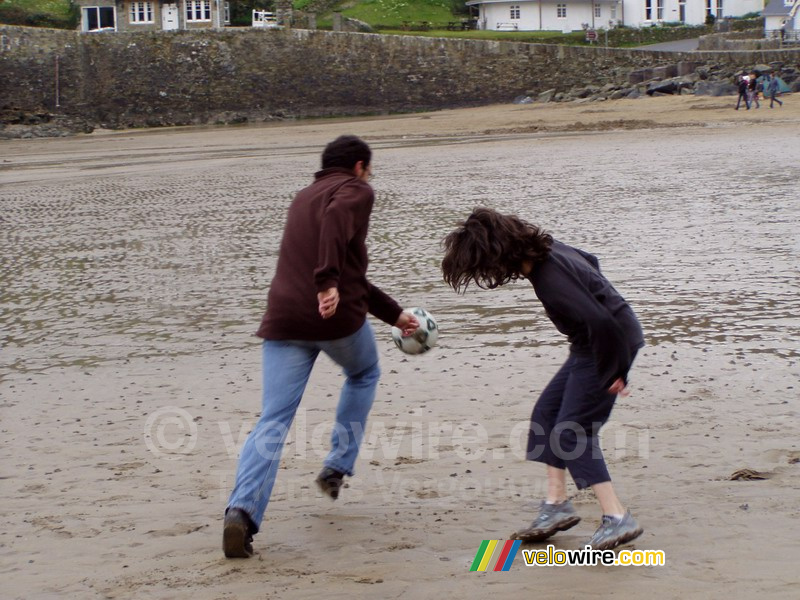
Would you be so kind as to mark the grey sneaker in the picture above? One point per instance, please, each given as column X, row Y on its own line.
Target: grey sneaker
column 552, row 518
column 615, row 532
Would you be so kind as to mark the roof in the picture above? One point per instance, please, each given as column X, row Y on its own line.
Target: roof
column 776, row 8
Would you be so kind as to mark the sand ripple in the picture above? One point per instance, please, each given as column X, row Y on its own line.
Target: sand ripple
column 173, row 254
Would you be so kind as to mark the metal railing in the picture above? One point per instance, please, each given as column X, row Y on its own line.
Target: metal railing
column 788, row 37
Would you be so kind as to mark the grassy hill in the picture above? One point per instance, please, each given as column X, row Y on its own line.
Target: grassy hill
column 417, row 17
column 60, row 14
column 420, row 17
column 392, row 14
column 431, row 18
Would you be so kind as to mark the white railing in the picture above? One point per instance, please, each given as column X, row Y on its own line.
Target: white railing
column 265, row 20
column 790, row 36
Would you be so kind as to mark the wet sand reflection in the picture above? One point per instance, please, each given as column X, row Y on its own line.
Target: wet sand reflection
column 171, row 252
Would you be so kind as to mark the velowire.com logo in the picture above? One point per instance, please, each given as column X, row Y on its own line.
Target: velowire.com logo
column 505, row 559
column 506, row 551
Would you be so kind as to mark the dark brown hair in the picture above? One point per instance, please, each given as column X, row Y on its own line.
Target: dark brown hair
column 345, row 151
column 489, row 249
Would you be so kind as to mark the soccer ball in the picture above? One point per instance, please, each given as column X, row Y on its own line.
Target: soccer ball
column 423, row 339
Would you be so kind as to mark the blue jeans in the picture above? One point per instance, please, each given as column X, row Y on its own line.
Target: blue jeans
column 287, row 366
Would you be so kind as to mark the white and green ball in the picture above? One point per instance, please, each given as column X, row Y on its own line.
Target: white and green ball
column 423, row 339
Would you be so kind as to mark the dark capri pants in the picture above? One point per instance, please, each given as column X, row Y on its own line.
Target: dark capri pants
column 566, row 421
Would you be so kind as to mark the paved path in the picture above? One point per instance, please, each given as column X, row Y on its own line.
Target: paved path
column 689, row 45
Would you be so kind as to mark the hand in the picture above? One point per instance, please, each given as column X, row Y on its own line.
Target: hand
column 328, row 301
column 619, row 387
column 407, row 322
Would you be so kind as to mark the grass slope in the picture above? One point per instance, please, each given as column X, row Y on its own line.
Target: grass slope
column 392, row 14
column 57, row 8
column 43, row 13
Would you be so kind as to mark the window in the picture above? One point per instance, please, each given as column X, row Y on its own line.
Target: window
column 660, row 10
column 141, row 12
column 613, row 12
column 597, row 11
column 709, row 7
column 561, row 11
column 719, row 9
column 515, row 12
column 96, row 18
column 648, row 10
column 198, row 10
column 227, row 13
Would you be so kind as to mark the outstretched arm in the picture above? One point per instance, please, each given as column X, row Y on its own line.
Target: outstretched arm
column 407, row 322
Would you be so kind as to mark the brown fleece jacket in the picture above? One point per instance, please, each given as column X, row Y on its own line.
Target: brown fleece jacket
column 324, row 246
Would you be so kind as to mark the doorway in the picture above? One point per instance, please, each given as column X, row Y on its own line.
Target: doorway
column 169, row 17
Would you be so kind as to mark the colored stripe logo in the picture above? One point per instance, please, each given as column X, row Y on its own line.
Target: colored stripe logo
column 507, row 554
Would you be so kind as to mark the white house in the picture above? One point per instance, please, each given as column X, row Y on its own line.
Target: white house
column 782, row 15
column 572, row 15
column 152, row 15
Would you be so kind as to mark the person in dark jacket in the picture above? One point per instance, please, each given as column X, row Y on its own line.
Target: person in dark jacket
column 492, row 249
column 753, row 86
column 743, row 93
column 318, row 302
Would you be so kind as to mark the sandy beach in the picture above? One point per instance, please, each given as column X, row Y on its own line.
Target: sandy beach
column 134, row 267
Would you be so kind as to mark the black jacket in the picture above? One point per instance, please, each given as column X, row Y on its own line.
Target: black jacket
column 584, row 306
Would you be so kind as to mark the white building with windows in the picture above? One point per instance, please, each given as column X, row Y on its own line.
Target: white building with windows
column 155, row 15
column 573, row 15
column 782, row 17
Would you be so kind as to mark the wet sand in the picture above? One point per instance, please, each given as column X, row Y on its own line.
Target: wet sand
column 134, row 268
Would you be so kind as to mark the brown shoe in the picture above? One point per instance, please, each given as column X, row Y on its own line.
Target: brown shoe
column 329, row 481
column 237, row 534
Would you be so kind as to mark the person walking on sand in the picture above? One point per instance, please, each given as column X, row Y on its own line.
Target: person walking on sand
column 492, row 249
column 752, row 90
column 318, row 302
column 773, row 87
column 742, row 87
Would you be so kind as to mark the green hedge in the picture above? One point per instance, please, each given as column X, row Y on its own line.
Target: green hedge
column 628, row 36
column 622, row 37
column 747, row 24
column 617, row 38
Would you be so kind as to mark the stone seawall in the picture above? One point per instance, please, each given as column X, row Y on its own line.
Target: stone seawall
column 163, row 78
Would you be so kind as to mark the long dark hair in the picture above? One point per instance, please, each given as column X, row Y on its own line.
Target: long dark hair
column 489, row 249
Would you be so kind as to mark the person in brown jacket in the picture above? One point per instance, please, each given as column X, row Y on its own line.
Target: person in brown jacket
column 318, row 302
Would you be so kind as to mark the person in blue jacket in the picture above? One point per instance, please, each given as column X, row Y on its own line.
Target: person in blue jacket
column 773, row 86
column 491, row 249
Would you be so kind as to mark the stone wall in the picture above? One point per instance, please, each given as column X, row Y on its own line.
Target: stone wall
column 162, row 78
column 738, row 40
